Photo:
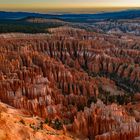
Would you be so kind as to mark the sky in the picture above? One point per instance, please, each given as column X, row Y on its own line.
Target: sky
column 64, row 4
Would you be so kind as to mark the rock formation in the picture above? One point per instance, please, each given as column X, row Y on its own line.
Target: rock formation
column 60, row 76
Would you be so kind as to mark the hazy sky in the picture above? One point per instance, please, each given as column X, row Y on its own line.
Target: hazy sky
column 48, row 4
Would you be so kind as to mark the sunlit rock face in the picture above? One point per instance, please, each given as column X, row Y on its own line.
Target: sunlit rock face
column 60, row 76
column 105, row 122
column 16, row 124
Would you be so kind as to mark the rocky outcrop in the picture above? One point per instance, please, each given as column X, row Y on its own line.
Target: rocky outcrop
column 16, row 124
column 105, row 122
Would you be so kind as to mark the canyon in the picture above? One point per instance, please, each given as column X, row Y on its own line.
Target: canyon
column 81, row 84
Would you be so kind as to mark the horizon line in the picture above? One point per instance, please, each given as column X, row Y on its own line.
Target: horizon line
column 78, row 9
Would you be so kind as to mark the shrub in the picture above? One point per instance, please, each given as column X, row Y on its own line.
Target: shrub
column 46, row 121
column 58, row 124
column 22, row 121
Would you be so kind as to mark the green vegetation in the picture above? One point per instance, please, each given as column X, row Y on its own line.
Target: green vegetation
column 22, row 121
column 91, row 100
column 124, row 83
column 107, row 98
column 7, row 26
column 46, row 121
column 56, row 124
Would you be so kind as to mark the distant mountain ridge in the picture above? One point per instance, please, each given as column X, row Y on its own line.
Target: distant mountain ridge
column 127, row 14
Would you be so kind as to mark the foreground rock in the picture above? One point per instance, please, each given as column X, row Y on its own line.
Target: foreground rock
column 16, row 125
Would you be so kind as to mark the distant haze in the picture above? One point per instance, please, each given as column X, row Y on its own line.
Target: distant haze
column 91, row 6
column 71, row 10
